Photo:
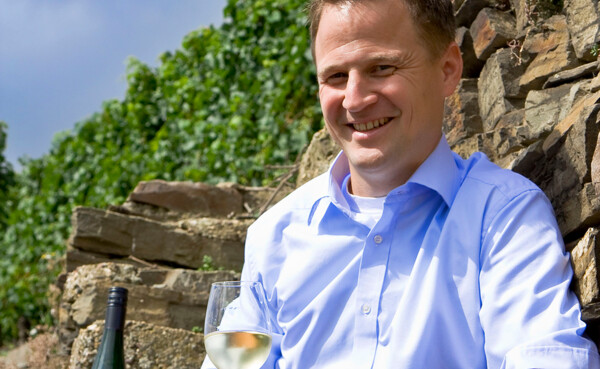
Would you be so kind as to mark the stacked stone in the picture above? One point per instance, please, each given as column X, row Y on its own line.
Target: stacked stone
column 176, row 224
column 166, row 244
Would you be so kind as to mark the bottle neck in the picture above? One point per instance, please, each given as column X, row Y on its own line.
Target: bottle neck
column 115, row 317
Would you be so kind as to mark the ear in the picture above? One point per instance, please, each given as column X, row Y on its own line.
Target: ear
column 452, row 66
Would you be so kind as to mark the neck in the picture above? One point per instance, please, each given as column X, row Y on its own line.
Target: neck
column 374, row 184
column 379, row 181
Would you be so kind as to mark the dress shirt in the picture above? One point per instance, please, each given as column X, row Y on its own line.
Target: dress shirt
column 465, row 268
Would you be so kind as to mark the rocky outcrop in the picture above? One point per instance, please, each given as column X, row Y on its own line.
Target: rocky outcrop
column 177, row 224
column 185, row 243
column 317, row 158
column 147, row 346
column 584, row 26
column 164, row 297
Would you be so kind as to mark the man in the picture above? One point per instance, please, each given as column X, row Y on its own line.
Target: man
column 404, row 255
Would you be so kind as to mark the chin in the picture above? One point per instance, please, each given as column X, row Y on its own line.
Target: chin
column 369, row 162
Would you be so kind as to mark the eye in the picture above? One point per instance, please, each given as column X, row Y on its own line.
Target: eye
column 336, row 78
column 383, row 70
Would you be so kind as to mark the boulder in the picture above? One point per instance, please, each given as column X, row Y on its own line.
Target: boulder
column 491, row 30
column 461, row 118
column 146, row 346
column 471, row 64
column 172, row 201
column 183, row 243
column 198, row 199
column 522, row 14
column 173, row 298
column 574, row 113
column 500, row 80
column 527, row 159
column 553, row 53
column 477, row 143
column 565, row 172
column 585, row 261
column 318, row 157
column 583, row 21
column 544, row 109
column 467, row 10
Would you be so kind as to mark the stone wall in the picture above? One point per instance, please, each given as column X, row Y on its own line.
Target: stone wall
column 177, row 224
column 532, row 107
column 166, row 244
column 529, row 99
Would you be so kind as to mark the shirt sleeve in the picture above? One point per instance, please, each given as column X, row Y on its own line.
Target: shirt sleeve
column 529, row 316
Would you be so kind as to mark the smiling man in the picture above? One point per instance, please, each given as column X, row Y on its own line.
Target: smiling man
column 404, row 255
column 382, row 90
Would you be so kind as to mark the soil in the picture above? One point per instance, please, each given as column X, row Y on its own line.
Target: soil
column 40, row 351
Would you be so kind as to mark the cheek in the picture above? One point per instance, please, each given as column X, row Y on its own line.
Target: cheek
column 332, row 129
column 330, row 102
column 396, row 90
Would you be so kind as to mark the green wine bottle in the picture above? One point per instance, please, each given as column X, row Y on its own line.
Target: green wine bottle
column 110, row 353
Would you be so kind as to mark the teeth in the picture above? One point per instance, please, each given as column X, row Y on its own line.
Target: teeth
column 370, row 125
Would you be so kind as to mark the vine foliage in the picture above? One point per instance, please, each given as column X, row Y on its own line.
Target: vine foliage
column 230, row 102
column 7, row 177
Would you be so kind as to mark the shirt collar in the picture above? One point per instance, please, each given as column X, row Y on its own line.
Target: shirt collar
column 438, row 172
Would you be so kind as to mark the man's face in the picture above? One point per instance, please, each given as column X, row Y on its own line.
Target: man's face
column 381, row 92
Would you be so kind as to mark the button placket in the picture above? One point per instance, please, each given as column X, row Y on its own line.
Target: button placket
column 371, row 278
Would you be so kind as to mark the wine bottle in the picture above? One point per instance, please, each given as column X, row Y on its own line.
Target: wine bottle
column 110, row 353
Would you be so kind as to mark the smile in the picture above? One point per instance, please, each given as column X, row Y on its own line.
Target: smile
column 363, row 127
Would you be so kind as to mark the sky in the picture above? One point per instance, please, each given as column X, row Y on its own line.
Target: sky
column 60, row 59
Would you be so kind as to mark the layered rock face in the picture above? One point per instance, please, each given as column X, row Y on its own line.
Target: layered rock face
column 146, row 347
column 163, row 297
column 176, row 224
column 529, row 99
column 166, row 244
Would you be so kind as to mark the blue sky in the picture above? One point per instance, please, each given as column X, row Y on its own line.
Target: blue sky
column 60, row 59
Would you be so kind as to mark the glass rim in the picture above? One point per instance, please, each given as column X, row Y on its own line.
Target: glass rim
column 234, row 283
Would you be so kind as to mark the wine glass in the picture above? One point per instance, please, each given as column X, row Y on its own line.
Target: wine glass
column 237, row 330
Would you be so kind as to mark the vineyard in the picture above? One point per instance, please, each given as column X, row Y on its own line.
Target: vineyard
column 232, row 102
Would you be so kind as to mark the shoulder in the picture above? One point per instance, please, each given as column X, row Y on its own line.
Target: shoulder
column 265, row 249
column 297, row 204
column 482, row 175
column 499, row 195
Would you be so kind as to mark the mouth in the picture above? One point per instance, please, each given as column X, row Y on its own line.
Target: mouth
column 364, row 127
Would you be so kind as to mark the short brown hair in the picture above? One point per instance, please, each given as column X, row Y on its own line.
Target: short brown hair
column 434, row 20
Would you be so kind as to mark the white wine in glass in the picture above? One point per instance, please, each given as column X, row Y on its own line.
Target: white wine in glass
column 237, row 331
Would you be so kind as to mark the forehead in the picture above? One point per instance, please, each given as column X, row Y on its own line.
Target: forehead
column 347, row 26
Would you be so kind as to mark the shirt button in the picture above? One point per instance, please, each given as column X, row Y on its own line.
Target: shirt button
column 378, row 239
column 366, row 309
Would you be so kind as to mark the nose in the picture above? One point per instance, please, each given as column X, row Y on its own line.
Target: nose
column 358, row 93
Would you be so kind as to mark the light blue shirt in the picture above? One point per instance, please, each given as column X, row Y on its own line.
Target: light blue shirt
column 465, row 268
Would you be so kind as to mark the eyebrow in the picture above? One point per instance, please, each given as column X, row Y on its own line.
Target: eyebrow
column 383, row 58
